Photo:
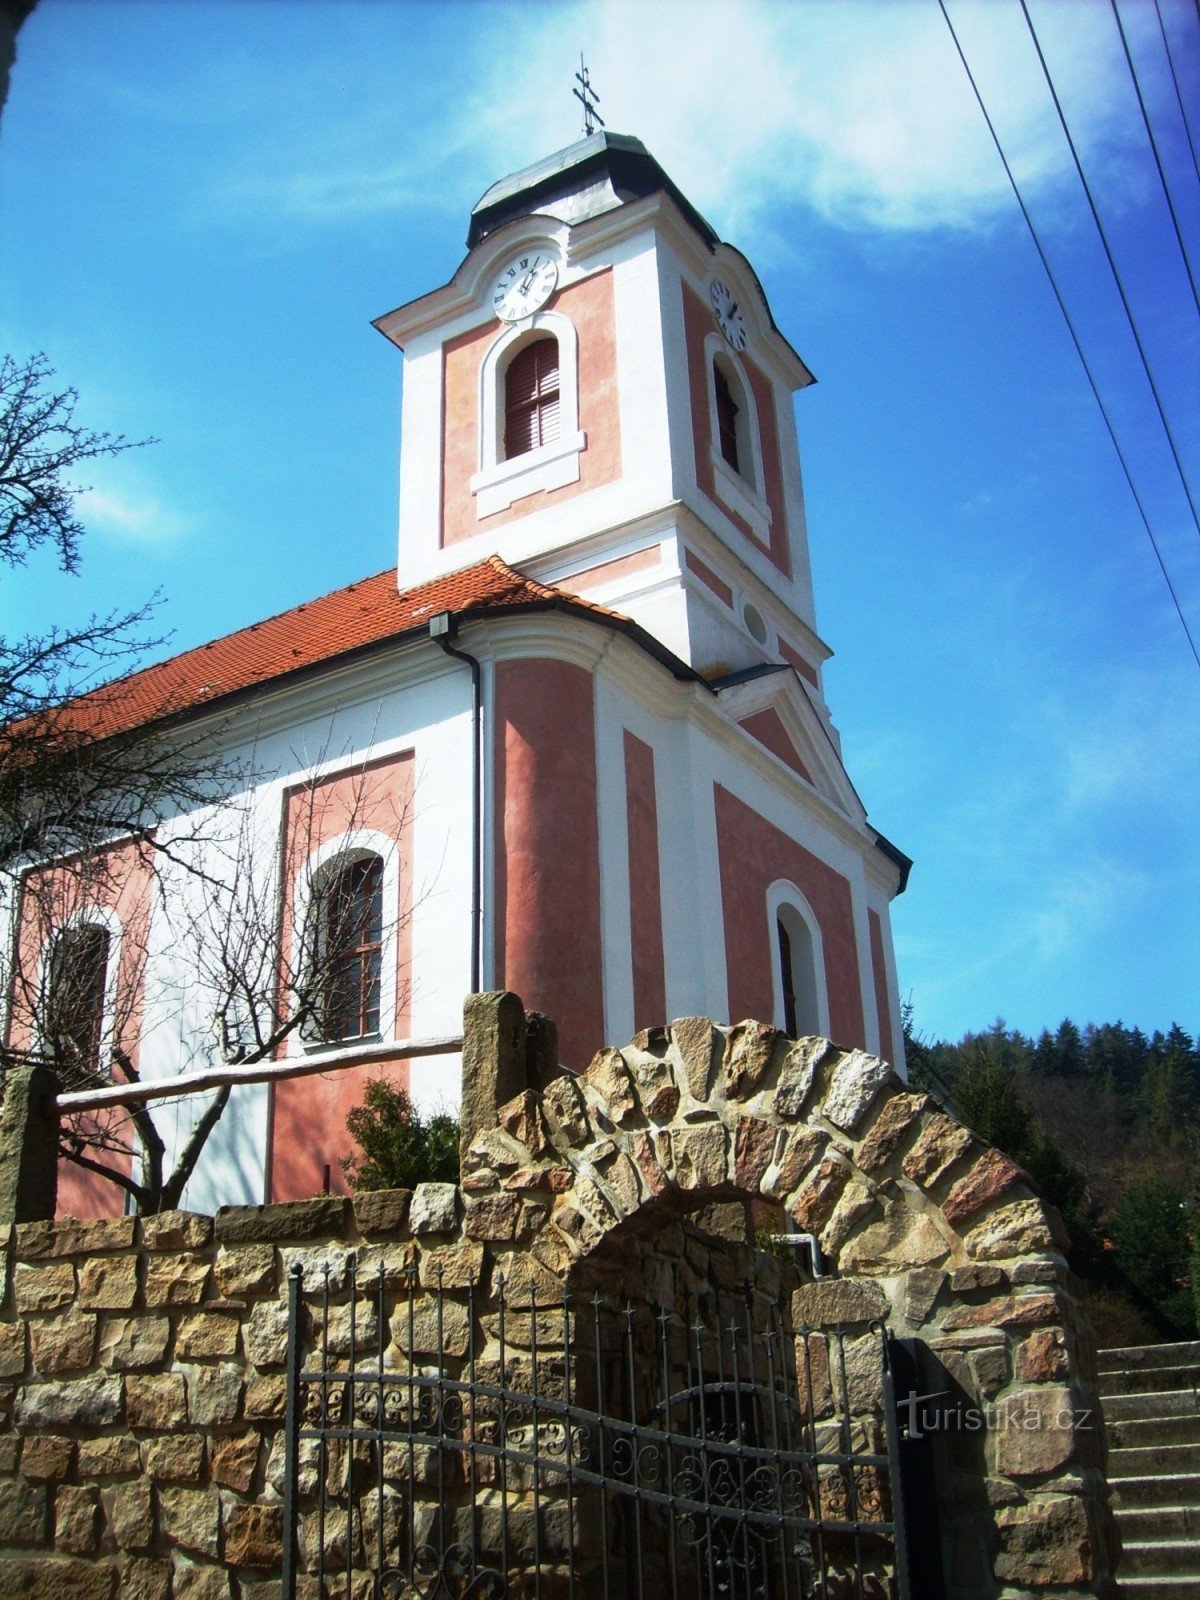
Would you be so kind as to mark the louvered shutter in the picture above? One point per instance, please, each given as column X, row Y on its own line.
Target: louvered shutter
column 531, row 408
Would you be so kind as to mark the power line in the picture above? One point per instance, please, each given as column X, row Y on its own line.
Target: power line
column 1067, row 318
column 1112, row 265
column 1183, row 116
column 1162, row 177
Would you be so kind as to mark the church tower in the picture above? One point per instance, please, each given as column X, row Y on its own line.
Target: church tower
column 600, row 397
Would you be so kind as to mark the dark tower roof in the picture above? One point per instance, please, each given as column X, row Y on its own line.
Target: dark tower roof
column 612, row 167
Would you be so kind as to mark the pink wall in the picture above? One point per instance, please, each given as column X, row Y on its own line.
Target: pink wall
column 645, row 893
column 752, row 854
column 547, row 849
column 883, row 1011
column 698, row 324
column 307, row 1117
column 589, row 305
column 119, row 881
column 767, row 727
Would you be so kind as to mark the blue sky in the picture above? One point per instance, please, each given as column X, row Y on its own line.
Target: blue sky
column 203, row 205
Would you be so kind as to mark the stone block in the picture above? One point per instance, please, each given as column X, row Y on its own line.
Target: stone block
column 1045, row 1542
column 10, row 1450
column 155, row 1400
column 214, row 1394
column 433, row 1208
column 92, row 1402
column 419, row 1334
column 176, row 1230
column 76, row 1518
column 131, row 1515
column 234, row 1460
column 853, row 1084
column 655, row 1084
column 494, row 1062
column 47, row 1456
column 110, row 1456
column 489, row 1216
column 191, row 1519
column 108, row 1282
column 254, row 1536
column 748, row 1049
column 43, row 1288
column 753, row 1148
column 382, row 1213
column 175, row 1280
column 325, row 1217
column 1017, row 1229
column 175, row 1458
column 801, row 1150
column 145, row 1579
column 1022, row 1311
column 921, row 1289
column 608, row 1075
column 193, row 1582
column 798, row 1074
column 654, row 1175
column 206, row 1335
column 890, row 1130
column 491, row 1150
column 12, row 1349
column 855, row 1204
column 566, row 1114
column 132, row 1344
column 1033, row 1431
column 74, row 1236
column 836, row 1300
column 68, row 1578
column 23, row 1509
column 901, row 1240
column 247, row 1271
column 992, row 1175
column 265, row 1333
column 549, row 1180
column 812, row 1206
column 971, row 1279
column 266, row 1399
column 63, row 1344
column 698, row 1046
column 942, row 1142
column 699, row 1155
column 521, row 1119
column 989, row 1370
column 1043, row 1356
column 452, row 1266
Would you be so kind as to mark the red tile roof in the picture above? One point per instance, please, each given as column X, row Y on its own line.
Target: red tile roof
column 368, row 612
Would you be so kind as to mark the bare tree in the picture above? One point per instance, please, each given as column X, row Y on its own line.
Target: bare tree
column 265, row 945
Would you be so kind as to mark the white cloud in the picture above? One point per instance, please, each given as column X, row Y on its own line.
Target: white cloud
column 858, row 110
column 131, row 516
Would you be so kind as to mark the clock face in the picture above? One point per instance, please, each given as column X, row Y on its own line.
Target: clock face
column 525, row 284
column 728, row 314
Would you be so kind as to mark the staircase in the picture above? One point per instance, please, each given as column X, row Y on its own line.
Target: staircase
column 1151, row 1402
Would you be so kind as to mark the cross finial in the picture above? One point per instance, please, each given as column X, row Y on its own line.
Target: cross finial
column 588, row 99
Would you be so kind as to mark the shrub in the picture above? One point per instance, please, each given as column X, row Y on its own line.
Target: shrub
column 399, row 1148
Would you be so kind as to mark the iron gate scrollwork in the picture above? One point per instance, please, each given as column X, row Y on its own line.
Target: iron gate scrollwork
column 450, row 1445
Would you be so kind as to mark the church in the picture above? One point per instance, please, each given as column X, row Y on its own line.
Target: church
column 575, row 744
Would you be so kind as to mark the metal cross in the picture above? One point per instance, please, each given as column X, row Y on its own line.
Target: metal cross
column 588, row 99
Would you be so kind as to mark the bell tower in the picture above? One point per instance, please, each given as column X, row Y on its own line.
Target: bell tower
column 601, row 396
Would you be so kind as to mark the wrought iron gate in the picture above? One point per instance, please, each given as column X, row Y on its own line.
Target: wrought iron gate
column 443, row 1443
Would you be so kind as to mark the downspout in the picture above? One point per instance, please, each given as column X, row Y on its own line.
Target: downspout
column 442, row 629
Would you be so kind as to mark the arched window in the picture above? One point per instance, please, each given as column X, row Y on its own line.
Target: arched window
column 532, row 416
column 351, row 909
column 77, row 986
column 799, row 966
column 727, row 414
column 736, row 425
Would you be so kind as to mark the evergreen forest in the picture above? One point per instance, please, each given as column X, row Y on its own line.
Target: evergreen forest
column 1105, row 1119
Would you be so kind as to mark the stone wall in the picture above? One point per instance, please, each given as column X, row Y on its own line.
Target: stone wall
column 141, row 1361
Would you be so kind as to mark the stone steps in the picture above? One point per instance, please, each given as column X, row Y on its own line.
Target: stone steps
column 1127, row 1358
column 1150, row 1397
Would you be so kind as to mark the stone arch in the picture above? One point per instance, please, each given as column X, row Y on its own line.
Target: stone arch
column 924, row 1226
